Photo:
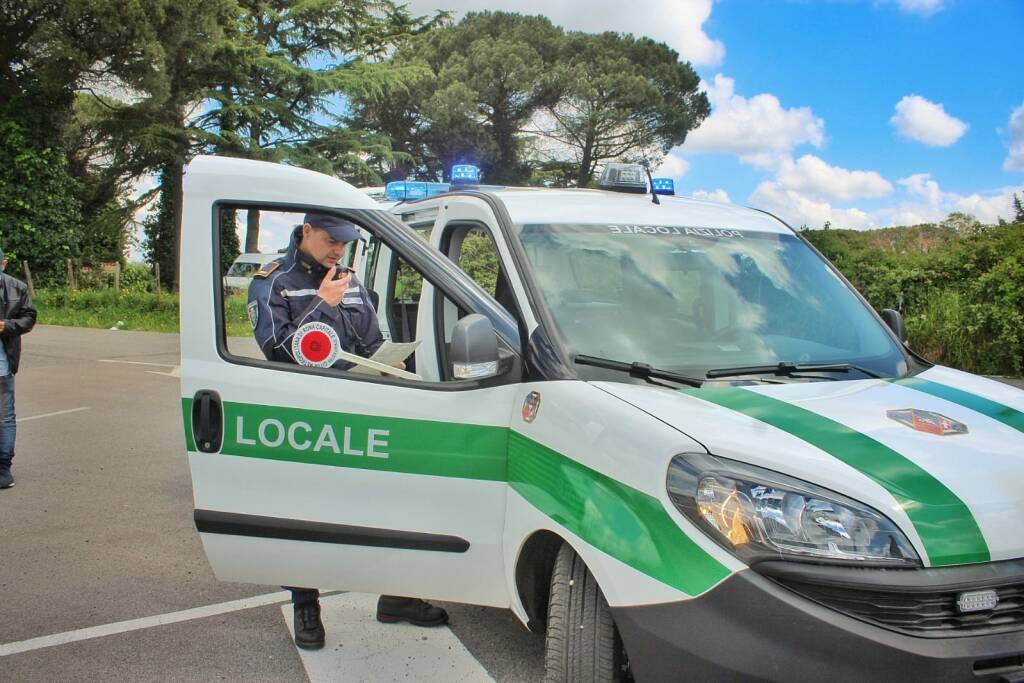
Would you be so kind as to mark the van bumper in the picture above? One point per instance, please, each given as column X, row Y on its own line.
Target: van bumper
column 751, row 628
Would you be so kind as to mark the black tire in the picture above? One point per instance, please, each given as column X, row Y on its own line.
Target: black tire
column 582, row 644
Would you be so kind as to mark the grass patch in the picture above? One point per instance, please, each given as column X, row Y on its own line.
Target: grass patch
column 144, row 311
column 236, row 317
column 104, row 308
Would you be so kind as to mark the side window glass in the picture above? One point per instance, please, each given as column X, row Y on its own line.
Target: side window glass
column 478, row 257
column 241, row 259
column 273, row 310
column 273, row 304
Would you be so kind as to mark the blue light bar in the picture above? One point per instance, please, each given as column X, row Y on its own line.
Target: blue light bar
column 465, row 174
column 408, row 191
column 663, row 186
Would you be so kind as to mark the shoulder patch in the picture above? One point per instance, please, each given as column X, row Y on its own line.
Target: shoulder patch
column 267, row 269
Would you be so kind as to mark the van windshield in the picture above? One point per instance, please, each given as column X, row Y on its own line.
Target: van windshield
column 694, row 299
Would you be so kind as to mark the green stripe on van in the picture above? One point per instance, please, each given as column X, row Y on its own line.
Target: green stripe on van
column 979, row 404
column 627, row 524
column 186, row 412
column 391, row 444
column 946, row 526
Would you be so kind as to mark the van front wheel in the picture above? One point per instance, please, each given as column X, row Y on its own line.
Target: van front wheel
column 582, row 643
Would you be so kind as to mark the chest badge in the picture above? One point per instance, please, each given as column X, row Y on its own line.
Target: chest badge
column 253, row 310
column 927, row 421
column 531, row 405
column 315, row 344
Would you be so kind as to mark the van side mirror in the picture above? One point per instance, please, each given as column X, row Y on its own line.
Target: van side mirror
column 474, row 351
column 894, row 320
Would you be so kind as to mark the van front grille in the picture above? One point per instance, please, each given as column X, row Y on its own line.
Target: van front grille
column 932, row 613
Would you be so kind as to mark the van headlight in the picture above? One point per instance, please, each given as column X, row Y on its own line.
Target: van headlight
column 759, row 514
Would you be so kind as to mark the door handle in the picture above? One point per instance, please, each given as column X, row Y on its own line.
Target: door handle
column 207, row 421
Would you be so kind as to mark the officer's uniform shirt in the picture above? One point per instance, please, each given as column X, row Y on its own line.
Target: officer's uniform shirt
column 283, row 297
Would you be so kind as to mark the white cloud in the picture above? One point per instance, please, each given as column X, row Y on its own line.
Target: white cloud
column 679, row 23
column 803, row 191
column 718, row 195
column 755, row 128
column 988, row 209
column 920, row 199
column 813, row 176
column 1015, row 132
column 672, row 166
column 920, row 186
column 925, row 202
column 798, row 209
column 922, row 7
column 924, row 121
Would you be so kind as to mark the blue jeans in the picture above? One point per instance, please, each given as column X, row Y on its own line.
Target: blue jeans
column 8, row 426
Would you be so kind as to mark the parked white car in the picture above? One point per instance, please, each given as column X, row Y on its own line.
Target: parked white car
column 242, row 269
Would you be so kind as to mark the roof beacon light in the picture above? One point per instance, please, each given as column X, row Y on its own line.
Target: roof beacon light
column 663, row 186
column 465, row 174
column 408, row 191
column 623, row 178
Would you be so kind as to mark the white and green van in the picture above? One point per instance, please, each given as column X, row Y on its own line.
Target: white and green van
column 668, row 435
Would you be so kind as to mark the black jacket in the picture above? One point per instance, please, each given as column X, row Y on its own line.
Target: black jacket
column 18, row 315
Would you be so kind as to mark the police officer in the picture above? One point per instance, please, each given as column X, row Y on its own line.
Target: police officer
column 301, row 295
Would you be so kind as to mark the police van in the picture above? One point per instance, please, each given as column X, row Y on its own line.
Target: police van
column 664, row 432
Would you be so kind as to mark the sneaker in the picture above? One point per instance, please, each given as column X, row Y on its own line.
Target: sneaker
column 6, row 480
column 309, row 630
column 392, row 609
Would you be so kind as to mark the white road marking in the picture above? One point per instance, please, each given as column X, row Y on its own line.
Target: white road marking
column 137, row 362
column 145, row 622
column 176, row 372
column 359, row 648
column 59, row 412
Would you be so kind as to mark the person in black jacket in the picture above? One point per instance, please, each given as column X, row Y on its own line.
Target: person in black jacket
column 17, row 317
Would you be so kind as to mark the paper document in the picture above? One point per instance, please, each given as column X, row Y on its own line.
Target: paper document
column 384, row 360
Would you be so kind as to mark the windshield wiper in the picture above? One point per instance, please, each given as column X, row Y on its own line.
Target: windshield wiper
column 787, row 368
column 640, row 370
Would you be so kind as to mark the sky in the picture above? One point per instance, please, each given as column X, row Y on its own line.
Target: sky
column 862, row 113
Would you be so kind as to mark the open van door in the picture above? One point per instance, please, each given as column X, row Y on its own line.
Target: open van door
column 323, row 477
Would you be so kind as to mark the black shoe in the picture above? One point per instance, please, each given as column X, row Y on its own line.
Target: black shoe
column 392, row 609
column 309, row 630
column 6, row 480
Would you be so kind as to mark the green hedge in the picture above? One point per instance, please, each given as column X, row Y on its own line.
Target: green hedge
column 960, row 292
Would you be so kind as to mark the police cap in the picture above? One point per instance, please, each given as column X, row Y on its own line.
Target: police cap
column 338, row 228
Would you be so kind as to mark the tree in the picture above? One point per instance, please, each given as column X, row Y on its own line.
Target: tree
column 625, row 98
column 281, row 64
column 156, row 131
column 484, row 79
column 38, row 211
column 49, row 50
column 1018, row 209
column 961, row 223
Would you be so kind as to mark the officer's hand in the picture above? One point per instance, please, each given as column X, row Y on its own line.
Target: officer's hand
column 330, row 290
column 3, row 325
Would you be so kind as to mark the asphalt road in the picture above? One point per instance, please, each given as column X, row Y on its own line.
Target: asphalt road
column 98, row 531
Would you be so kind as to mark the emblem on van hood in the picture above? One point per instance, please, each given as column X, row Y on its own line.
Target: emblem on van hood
column 927, row 421
column 531, row 405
